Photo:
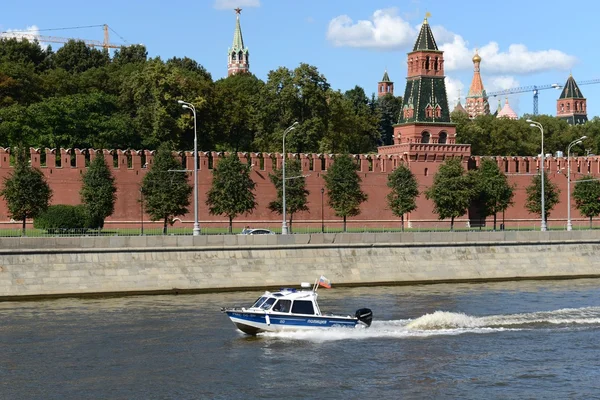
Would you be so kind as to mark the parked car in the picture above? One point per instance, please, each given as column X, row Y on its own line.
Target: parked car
column 260, row 231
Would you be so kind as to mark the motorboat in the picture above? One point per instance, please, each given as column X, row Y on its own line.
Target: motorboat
column 290, row 309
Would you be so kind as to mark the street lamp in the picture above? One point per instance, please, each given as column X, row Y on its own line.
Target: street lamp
column 142, row 211
column 322, row 215
column 541, row 128
column 284, row 228
column 573, row 143
column 190, row 106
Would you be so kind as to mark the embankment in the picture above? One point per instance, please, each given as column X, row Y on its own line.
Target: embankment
column 57, row 267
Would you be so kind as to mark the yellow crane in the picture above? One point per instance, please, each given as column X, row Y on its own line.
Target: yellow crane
column 34, row 35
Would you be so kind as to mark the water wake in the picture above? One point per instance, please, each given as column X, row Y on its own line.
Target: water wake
column 451, row 323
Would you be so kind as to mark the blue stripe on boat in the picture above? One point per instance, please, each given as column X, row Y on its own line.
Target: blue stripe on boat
column 294, row 320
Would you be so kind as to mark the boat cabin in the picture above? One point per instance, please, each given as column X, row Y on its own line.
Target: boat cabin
column 289, row 301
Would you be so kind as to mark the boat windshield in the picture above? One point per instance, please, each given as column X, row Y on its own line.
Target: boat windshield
column 267, row 304
column 258, row 302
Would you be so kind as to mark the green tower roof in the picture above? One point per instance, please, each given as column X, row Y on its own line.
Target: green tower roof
column 571, row 90
column 425, row 41
column 238, row 40
column 386, row 77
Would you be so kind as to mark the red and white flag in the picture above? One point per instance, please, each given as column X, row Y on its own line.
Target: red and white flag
column 324, row 282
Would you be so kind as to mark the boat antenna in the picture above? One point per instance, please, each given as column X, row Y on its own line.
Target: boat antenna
column 316, row 285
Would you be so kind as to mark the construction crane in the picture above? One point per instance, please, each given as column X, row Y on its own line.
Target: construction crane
column 535, row 89
column 34, row 35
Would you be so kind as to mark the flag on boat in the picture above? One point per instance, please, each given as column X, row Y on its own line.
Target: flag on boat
column 324, row 282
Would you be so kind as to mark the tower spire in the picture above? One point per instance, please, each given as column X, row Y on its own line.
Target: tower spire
column 425, row 40
column 477, row 100
column 238, row 40
column 238, row 57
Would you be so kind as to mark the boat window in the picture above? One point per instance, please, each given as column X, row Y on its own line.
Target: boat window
column 267, row 304
column 258, row 302
column 283, row 306
column 303, row 307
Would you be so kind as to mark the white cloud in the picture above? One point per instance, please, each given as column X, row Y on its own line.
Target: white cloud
column 517, row 60
column 231, row 4
column 454, row 89
column 498, row 83
column 29, row 33
column 385, row 30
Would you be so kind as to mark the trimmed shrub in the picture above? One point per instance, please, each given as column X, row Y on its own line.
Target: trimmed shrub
column 62, row 218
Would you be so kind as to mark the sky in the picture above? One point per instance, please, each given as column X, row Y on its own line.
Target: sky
column 351, row 42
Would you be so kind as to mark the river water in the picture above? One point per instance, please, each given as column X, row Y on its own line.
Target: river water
column 536, row 339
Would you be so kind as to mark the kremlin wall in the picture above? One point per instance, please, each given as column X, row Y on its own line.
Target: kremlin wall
column 63, row 170
column 423, row 139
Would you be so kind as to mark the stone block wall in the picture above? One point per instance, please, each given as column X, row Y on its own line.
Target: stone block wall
column 125, row 265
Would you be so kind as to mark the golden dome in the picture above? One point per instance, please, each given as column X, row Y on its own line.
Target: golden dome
column 476, row 58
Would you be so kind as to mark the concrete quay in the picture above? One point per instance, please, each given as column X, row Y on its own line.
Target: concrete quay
column 109, row 265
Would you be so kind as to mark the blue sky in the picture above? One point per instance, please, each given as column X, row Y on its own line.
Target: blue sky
column 352, row 42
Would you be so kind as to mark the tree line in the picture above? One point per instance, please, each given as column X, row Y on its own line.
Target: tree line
column 82, row 97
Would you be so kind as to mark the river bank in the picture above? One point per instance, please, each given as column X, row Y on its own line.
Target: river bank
column 92, row 266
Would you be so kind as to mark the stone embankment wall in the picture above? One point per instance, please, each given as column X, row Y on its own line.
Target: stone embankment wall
column 55, row 267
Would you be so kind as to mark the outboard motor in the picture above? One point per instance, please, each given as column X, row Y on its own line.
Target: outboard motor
column 364, row 315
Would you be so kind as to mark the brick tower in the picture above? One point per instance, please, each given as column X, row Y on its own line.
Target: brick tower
column 238, row 56
column 385, row 86
column 425, row 115
column 571, row 105
column 477, row 100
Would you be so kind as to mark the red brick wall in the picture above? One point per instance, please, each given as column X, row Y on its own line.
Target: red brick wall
column 65, row 181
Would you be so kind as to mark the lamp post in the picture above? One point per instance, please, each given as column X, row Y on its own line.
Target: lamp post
column 541, row 128
column 322, row 214
column 573, row 143
column 142, row 211
column 190, row 106
column 284, row 227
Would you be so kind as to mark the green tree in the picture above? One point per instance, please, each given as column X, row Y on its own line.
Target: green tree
column 133, row 54
column 98, row 191
column 343, row 186
column 587, row 197
column 236, row 100
column 288, row 96
column 296, row 195
column 150, row 95
column 25, row 190
column 451, row 191
column 75, row 56
column 166, row 189
column 388, row 107
column 534, row 196
column 231, row 193
column 404, row 191
column 493, row 192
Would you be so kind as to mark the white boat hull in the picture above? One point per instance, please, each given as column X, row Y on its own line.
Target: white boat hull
column 251, row 322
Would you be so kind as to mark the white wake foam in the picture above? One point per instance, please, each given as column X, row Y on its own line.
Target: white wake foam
column 450, row 323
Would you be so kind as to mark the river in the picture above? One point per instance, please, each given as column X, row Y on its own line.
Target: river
column 529, row 339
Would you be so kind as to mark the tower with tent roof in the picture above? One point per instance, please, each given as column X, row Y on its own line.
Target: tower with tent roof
column 238, row 56
column 425, row 114
column 571, row 105
column 385, row 85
